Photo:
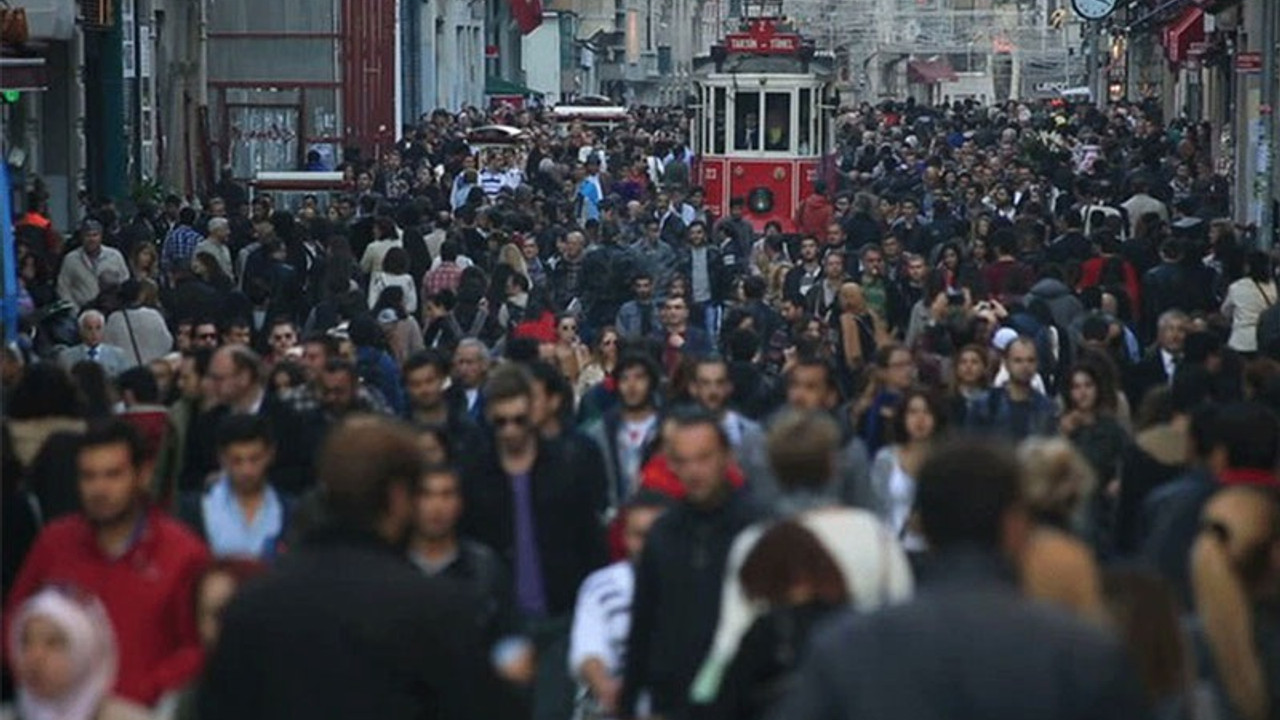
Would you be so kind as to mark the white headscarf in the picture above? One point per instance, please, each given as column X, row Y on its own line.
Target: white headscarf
column 90, row 643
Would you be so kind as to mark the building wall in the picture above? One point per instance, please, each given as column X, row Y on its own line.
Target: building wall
column 543, row 48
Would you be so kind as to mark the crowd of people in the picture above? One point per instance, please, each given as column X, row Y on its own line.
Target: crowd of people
column 532, row 432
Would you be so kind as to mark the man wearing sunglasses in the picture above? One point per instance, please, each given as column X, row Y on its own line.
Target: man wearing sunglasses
column 536, row 509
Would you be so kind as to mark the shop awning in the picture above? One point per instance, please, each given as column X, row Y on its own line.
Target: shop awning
column 930, row 72
column 1179, row 35
column 23, row 74
column 503, row 87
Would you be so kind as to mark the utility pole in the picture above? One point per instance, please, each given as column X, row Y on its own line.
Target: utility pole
column 1092, row 56
column 1266, row 151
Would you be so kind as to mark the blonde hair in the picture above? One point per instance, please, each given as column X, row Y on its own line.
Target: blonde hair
column 1057, row 480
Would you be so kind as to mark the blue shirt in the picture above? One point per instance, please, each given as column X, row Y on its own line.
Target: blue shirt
column 231, row 534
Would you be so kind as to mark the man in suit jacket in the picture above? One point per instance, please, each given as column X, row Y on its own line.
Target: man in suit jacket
column 970, row 644
column 346, row 626
column 1160, row 365
column 526, row 500
column 238, row 380
column 113, row 360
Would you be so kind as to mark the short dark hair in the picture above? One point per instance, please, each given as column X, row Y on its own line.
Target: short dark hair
column 1248, row 431
column 243, row 428
column 139, row 381
column 508, row 382
column 330, row 343
column 692, row 417
column 340, row 365
column 114, row 431
column 360, row 462
column 963, row 492
column 430, row 357
column 638, row 359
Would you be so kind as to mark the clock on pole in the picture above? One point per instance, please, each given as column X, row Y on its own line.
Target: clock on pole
column 1094, row 9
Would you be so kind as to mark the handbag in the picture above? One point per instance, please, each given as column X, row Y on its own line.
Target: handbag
column 13, row 25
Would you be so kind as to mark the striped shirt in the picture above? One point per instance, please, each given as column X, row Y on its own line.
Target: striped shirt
column 602, row 618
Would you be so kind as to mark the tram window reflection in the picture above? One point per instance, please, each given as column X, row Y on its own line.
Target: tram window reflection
column 746, row 120
column 719, row 129
column 777, row 121
column 806, row 121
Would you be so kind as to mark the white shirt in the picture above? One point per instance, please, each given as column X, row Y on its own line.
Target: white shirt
column 602, row 618
column 632, row 438
column 1170, row 364
column 874, row 566
column 1246, row 300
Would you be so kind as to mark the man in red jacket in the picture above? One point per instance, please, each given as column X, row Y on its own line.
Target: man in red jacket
column 815, row 212
column 142, row 565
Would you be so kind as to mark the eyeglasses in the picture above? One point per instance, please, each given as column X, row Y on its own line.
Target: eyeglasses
column 501, row 421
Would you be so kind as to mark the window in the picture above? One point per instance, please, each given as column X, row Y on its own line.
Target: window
column 718, row 129
column 777, row 121
column 746, row 121
column 806, row 122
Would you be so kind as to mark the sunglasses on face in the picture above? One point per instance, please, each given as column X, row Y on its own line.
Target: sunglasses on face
column 501, row 421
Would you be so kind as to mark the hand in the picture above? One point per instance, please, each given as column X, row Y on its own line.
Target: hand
column 520, row 668
column 607, row 695
column 938, row 308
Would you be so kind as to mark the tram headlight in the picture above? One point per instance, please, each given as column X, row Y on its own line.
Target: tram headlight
column 760, row 200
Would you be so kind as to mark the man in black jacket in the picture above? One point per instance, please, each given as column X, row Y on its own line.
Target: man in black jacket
column 537, row 510
column 969, row 645
column 345, row 626
column 680, row 575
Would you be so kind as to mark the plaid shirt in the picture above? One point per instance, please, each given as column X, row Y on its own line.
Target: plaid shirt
column 179, row 247
column 445, row 277
column 304, row 399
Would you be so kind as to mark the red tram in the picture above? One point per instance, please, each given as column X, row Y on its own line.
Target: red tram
column 762, row 127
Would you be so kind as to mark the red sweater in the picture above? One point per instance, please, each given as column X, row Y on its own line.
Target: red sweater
column 149, row 594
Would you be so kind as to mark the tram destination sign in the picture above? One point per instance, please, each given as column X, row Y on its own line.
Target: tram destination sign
column 762, row 43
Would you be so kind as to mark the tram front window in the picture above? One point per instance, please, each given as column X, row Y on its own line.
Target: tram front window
column 746, row 121
column 777, row 122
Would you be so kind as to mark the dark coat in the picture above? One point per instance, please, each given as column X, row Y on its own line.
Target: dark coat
column 571, row 538
column 677, row 600
column 346, row 627
column 969, row 646
column 717, row 272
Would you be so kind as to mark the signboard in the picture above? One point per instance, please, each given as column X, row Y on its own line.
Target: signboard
column 1198, row 49
column 1249, row 62
column 763, row 43
column 491, row 51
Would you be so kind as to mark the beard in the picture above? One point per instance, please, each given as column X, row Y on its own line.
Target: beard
column 109, row 518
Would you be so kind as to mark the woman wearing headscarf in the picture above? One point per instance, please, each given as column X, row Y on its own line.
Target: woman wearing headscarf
column 63, row 654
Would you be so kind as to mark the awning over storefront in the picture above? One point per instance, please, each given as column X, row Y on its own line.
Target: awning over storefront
column 23, row 74
column 507, row 88
column 1179, row 35
column 930, row 72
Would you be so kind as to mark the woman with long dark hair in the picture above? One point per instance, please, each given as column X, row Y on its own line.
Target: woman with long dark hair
column 1247, row 298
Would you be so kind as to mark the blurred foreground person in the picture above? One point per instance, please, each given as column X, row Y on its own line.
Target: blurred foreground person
column 140, row 562
column 64, row 661
column 970, row 646
column 345, row 626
